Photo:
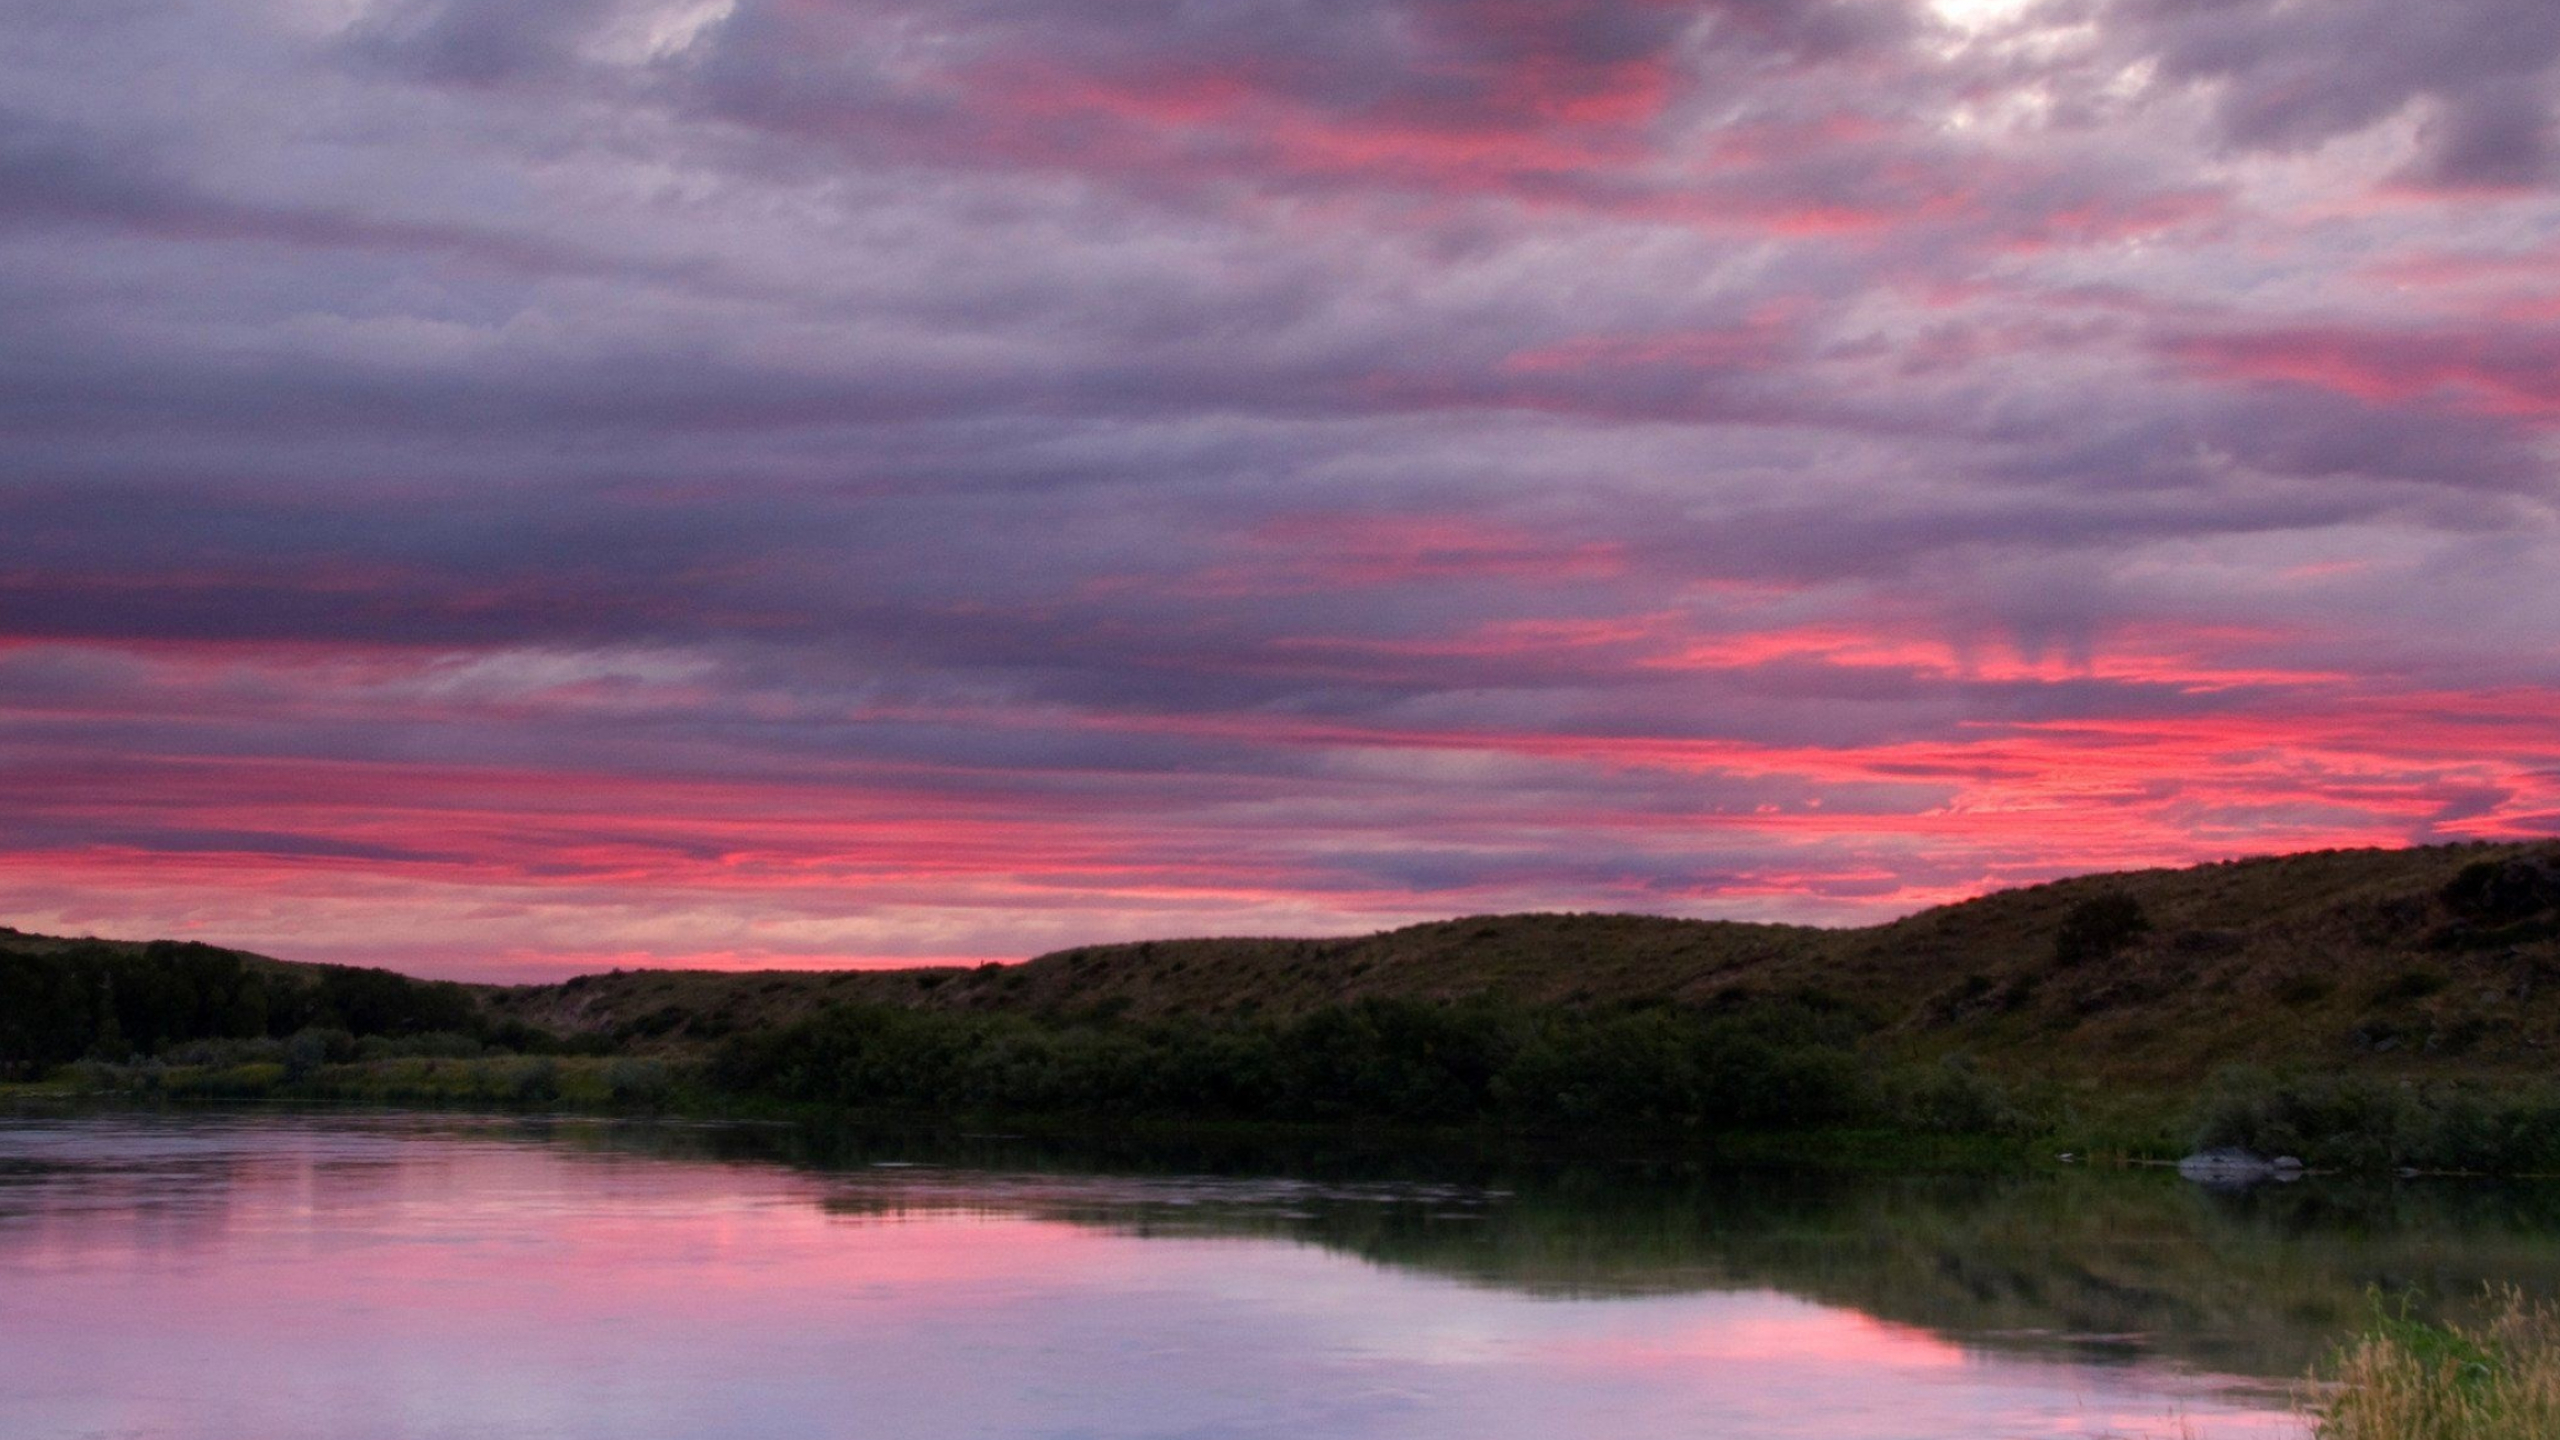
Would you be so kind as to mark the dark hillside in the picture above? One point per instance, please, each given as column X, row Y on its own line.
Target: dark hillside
column 65, row 1000
column 2347, row 958
column 1523, row 959
column 2376, row 959
column 2437, row 962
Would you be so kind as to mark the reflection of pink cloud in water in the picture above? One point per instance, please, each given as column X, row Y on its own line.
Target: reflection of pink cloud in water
column 283, row 1281
column 1791, row 1334
column 1803, row 1369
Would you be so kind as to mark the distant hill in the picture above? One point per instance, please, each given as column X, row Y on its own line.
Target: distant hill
column 2433, row 961
column 2374, row 958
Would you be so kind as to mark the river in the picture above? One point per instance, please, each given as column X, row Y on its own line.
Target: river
column 206, row 1275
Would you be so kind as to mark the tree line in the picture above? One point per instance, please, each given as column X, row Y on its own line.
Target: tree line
column 110, row 1002
column 1763, row 1065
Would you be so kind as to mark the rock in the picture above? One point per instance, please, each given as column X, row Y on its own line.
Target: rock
column 2229, row 1166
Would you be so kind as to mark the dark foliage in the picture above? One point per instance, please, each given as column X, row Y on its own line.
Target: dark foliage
column 2500, row 903
column 2501, row 892
column 113, row 1002
column 2357, row 1123
column 1772, row 1065
column 2099, row 928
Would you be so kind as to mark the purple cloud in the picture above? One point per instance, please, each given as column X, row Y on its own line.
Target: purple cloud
column 660, row 478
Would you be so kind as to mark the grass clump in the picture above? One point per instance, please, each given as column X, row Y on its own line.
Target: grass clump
column 2406, row 1379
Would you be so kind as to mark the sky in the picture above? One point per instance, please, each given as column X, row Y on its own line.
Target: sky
column 500, row 489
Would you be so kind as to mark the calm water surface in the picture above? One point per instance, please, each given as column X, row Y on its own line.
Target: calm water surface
column 283, row 1276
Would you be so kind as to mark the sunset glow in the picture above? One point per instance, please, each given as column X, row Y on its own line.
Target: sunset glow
column 502, row 489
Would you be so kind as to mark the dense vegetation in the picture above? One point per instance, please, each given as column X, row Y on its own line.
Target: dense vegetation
column 1763, row 1065
column 2407, row 1380
column 95, row 1000
column 2351, row 1122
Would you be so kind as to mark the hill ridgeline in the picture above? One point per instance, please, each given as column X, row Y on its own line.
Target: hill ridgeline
column 2365, row 1007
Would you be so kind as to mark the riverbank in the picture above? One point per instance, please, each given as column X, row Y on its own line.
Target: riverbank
column 611, row 1089
column 2408, row 1379
column 1765, row 1084
column 2364, row 1011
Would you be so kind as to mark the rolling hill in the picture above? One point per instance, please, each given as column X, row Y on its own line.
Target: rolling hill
column 2439, row 961
column 2351, row 957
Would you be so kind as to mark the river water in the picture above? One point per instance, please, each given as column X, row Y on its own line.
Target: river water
column 274, row 1276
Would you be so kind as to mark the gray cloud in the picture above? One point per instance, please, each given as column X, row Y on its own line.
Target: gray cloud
column 1499, row 453
column 2289, row 75
column 477, row 42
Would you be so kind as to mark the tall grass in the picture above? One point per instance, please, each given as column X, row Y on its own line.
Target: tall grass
column 2404, row 1379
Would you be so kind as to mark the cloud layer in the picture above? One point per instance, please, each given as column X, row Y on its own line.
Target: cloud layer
column 495, row 488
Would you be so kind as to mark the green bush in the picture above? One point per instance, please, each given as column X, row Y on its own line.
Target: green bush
column 1955, row 1098
column 638, row 1082
column 2354, row 1123
column 529, row 1080
column 310, row 1049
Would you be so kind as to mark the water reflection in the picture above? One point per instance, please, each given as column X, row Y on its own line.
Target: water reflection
column 2106, row 1266
column 212, row 1275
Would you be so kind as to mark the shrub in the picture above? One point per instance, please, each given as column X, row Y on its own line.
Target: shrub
column 638, row 1082
column 1954, row 1098
column 2499, row 892
column 2099, row 927
column 308, row 1050
column 531, row 1080
column 2355, row 1123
